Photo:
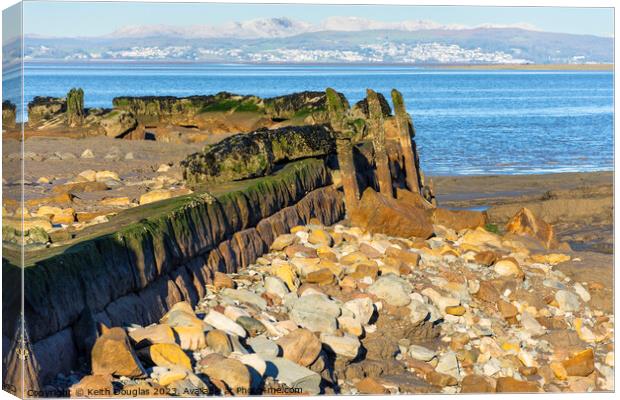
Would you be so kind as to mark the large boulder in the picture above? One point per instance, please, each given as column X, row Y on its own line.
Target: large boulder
column 41, row 109
column 377, row 213
column 525, row 223
column 113, row 355
column 255, row 154
column 117, row 123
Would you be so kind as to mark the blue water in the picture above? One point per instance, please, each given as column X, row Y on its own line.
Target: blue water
column 467, row 122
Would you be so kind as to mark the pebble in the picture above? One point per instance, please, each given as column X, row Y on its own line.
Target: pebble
column 220, row 321
column 346, row 346
column 567, row 301
column 421, row 353
column 394, row 290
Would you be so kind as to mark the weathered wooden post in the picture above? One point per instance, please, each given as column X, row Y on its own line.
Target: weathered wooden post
column 344, row 148
column 406, row 132
column 382, row 162
column 75, row 107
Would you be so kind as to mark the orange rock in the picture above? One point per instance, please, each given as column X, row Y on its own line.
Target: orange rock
column 112, row 355
column 322, row 277
column 485, row 258
column 477, row 384
column 377, row 213
column 526, row 223
column 510, row 385
column 580, row 364
column 407, row 257
column 455, row 310
column 370, row 385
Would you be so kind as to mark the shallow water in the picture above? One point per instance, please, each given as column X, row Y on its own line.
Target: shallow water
column 467, row 122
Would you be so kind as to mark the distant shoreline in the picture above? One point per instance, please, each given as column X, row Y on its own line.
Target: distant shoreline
column 482, row 67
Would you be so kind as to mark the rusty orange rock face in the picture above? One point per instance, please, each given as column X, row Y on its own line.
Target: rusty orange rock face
column 525, row 223
column 380, row 214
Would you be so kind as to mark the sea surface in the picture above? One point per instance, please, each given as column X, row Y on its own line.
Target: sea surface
column 467, row 122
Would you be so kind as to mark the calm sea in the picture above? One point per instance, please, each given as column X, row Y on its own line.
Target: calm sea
column 467, row 122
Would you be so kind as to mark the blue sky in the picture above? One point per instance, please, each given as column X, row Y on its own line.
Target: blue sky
column 92, row 19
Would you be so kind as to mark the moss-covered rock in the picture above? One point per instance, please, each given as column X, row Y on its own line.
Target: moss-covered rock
column 256, row 154
column 117, row 123
column 8, row 114
column 300, row 106
column 75, row 107
column 41, row 109
column 183, row 110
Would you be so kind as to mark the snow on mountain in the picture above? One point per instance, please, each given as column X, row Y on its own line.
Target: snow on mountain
column 281, row 27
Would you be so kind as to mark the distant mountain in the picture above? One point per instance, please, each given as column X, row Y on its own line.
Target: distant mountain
column 336, row 40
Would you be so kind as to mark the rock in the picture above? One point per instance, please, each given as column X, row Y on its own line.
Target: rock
column 421, row 353
column 300, row 346
column 222, row 280
column 455, row 310
column 286, row 273
column 370, row 385
column 181, row 314
column 93, row 386
column 255, row 154
column 153, row 334
column 525, row 223
column 552, row 259
column 481, row 237
column 507, row 310
column 115, row 201
column 580, row 364
column 316, row 313
column 190, row 337
column 407, row 257
column 394, row 290
column 321, row 277
column 458, row 219
column 477, row 384
column 438, row 379
column 275, row 285
column 282, row 242
column 379, row 214
column 508, row 267
column 320, row 237
column 117, row 123
column 88, row 175
column 350, row 325
column 487, row 292
column 155, row 195
column 448, row 364
column 103, row 176
column 264, row 347
column 192, row 386
column 299, row 250
column 567, row 301
column 129, row 156
column 217, row 341
column 295, row 376
column 169, row 376
column 245, row 296
column 167, row 355
column 507, row 384
column 232, row 372
column 486, row 258
column 112, row 355
column 558, row 370
column 362, row 308
column 346, row 346
column 251, row 325
column 582, row 292
column 220, row 321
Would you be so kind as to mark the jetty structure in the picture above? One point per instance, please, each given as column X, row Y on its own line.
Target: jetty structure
column 306, row 252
